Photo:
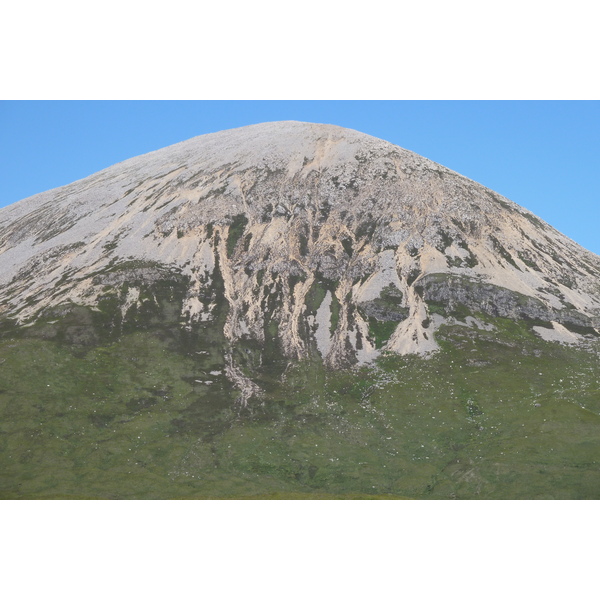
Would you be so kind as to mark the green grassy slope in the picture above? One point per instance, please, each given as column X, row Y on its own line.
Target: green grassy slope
column 130, row 415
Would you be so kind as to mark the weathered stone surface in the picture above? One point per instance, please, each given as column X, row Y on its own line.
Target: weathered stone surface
column 299, row 232
column 493, row 300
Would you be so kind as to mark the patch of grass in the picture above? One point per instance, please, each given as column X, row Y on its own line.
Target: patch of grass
column 454, row 261
column 412, row 276
column 446, row 241
column 471, row 260
column 437, row 308
column 381, row 331
column 367, row 227
column 303, row 243
column 533, row 219
column 128, row 265
column 391, row 294
column 335, row 308
column 315, row 296
column 504, row 253
column 236, row 231
column 528, row 260
column 295, row 279
column 347, row 244
column 581, row 329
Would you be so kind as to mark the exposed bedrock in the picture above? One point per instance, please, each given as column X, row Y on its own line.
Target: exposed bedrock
column 451, row 291
column 308, row 238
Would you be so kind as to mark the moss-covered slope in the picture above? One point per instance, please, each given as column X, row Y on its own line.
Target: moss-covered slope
column 495, row 414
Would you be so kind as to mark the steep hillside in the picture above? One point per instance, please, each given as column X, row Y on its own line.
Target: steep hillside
column 293, row 286
column 316, row 222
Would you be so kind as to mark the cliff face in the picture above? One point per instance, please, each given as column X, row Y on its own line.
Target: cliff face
column 321, row 239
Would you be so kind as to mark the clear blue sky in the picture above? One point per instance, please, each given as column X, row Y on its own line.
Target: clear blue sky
column 544, row 155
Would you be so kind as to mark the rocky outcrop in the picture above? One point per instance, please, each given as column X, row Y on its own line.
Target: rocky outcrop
column 452, row 291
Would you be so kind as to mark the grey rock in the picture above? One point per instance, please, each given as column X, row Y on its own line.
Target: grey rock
column 258, row 219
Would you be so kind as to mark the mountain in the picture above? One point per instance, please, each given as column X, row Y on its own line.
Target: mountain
column 195, row 290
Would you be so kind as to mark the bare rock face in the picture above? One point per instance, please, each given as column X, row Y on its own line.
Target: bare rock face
column 316, row 236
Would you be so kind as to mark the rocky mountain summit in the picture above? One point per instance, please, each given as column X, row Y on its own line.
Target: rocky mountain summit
column 292, row 310
column 313, row 237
